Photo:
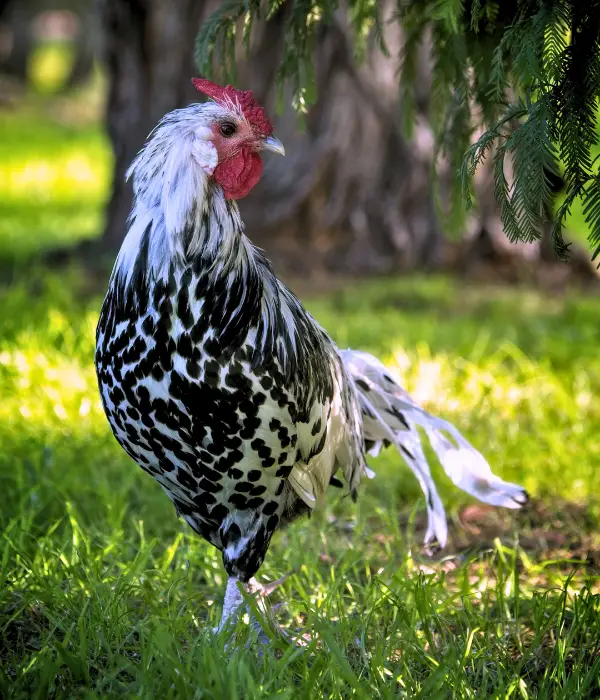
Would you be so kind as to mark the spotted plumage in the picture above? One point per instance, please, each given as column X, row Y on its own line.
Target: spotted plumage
column 215, row 379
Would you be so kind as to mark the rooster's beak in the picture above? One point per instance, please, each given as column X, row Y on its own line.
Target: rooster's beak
column 273, row 144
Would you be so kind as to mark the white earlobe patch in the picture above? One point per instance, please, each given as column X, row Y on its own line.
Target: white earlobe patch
column 205, row 154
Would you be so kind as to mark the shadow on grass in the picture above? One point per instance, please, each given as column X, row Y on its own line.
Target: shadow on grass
column 563, row 535
column 451, row 315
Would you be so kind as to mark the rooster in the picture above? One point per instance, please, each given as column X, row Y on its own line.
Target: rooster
column 214, row 377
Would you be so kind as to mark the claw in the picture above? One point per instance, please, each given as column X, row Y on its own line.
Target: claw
column 264, row 590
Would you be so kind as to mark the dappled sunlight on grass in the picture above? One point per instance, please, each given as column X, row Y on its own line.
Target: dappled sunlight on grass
column 53, row 227
column 518, row 373
column 535, row 421
column 48, row 180
column 103, row 589
column 49, row 65
column 48, row 384
column 54, row 179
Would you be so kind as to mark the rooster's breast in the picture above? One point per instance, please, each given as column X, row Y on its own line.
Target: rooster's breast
column 217, row 430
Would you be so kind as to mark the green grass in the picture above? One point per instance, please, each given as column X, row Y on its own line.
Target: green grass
column 103, row 589
column 104, row 593
column 53, row 180
column 55, row 163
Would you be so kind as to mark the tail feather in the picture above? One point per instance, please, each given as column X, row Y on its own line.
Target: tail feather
column 390, row 416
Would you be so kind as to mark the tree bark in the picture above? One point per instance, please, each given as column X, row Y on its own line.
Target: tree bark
column 148, row 50
column 16, row 16
column 87, row 45
column 350, row 195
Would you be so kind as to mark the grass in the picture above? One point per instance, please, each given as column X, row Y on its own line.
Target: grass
column 104, row 593
column 55, row 165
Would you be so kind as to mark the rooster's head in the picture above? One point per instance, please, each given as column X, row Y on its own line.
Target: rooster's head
column 238, row 128
column 194, row 160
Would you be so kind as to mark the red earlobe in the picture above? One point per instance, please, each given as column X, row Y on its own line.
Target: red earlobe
column 238, row 175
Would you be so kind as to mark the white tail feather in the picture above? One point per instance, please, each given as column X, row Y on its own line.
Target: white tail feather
column 391, row 416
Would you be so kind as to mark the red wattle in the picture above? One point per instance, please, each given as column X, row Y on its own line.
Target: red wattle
column 239, row 174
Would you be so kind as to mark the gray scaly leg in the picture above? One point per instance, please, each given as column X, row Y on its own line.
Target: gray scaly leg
column 232, row 603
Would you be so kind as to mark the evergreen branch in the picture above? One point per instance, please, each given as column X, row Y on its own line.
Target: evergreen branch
column 502, row 193
column 476, row 15
column 477, row 152
column 556, row 237
column 545, row 52
column 497, row 80
column 534, row 158
column 379, row 31
column 219, row 27
column 591, row 212
column 414, row 28
column 450, row 12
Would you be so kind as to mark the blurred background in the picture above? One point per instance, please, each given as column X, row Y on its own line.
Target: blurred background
column 82, row 83
column 500, row 339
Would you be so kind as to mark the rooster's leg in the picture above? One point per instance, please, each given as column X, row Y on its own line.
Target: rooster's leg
column 232, row 606
column 232, row 603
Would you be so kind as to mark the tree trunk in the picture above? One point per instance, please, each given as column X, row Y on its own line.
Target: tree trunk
column 87, row 46
column 16, row 16
column 350, row 195
column 148, row 46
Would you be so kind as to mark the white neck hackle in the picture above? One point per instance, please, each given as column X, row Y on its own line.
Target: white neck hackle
column 187, row 215
column 177, row 201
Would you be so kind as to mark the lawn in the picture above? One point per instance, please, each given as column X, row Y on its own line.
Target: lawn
column 104, row 593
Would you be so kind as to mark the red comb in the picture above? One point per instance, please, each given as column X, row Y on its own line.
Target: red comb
column 250, row 108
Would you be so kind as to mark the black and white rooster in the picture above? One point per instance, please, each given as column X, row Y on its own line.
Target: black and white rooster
column 215, row 379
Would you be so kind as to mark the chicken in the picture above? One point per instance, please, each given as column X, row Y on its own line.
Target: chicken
column 217, row 381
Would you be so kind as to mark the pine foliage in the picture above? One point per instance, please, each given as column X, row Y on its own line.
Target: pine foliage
column 517, row 81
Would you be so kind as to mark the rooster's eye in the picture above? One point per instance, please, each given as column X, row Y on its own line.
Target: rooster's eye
column 227, row 129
